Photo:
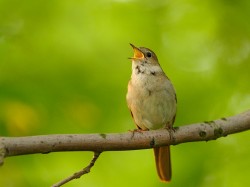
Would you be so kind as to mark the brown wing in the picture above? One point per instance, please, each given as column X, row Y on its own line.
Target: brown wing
column 134, row 120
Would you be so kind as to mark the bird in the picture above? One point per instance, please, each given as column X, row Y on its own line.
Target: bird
column 151, row 99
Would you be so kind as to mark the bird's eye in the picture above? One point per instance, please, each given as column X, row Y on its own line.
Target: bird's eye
column 148, row 54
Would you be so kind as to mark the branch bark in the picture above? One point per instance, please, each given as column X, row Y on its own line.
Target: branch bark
column 204, row 131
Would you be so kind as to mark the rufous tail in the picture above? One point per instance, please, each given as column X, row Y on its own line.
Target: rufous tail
column 163, row 163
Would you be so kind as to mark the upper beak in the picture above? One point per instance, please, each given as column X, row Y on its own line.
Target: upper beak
column 138, row 54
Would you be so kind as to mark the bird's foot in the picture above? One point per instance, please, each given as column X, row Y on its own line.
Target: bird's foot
column 136, row 131
column 171, row 130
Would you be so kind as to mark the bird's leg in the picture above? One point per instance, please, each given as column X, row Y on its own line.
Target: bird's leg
column 171, row 131
column 139, row 130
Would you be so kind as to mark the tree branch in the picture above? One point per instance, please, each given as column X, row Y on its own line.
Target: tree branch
column 204, row 131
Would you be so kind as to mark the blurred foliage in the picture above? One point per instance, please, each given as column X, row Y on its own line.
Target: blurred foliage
column 64, row 69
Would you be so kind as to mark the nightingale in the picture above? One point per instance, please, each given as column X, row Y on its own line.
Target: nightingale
column 152, row 102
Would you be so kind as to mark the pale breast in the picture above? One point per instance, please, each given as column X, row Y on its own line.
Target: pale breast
column 151, row 99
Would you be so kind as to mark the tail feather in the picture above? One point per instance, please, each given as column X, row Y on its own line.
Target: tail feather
column 163, row 163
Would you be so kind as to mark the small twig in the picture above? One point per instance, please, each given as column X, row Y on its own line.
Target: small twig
column 79, row 173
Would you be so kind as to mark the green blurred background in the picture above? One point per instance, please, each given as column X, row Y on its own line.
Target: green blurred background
column 64, row 69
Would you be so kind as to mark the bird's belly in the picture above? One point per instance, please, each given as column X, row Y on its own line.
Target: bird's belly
column 154, row 111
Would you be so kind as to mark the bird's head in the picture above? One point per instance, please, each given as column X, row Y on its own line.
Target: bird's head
column 144, row 55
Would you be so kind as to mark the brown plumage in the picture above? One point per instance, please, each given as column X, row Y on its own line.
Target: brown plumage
column 163, row 163
column 152, row 101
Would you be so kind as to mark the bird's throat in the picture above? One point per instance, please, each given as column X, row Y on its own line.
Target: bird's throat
column 139, row 69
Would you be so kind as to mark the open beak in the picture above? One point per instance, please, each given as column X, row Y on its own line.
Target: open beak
column 138, row 54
